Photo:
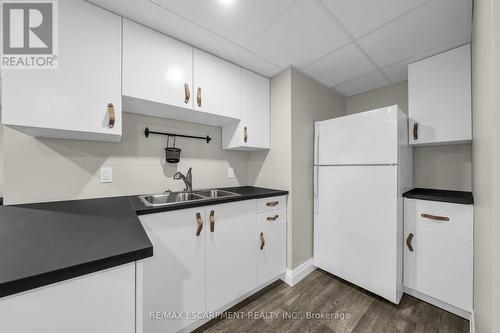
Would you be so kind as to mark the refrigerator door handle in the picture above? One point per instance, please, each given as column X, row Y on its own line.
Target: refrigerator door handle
column 316, row 152
column 316, row 190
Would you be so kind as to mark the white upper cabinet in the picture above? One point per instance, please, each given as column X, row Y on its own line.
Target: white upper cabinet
column 78, row 99
column 252, row 132
column 217, row 86
column 156, row 68
column 440, row 98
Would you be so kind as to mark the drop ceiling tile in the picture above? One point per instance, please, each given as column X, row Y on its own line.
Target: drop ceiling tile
column 362, row 84
column 237, row 20
column 362, row 16
column 340, row 66
column 304, row 33
column 255, row 63
column 428, row 27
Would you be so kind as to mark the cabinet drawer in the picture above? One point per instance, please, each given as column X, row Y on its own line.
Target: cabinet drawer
column 452, row 220
column 271, row 217
column 273, row 203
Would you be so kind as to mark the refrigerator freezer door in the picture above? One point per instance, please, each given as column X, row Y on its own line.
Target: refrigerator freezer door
column 363, row 138
column 356, row 227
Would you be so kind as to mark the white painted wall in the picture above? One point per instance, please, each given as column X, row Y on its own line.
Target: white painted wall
column 441, row 167
column 50, row 169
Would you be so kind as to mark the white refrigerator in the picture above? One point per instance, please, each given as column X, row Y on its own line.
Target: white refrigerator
column 362, row 165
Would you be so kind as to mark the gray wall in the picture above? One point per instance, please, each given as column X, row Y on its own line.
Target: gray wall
column 486, row 159
column 443, row 167
column 311, row 102
column 51, row 169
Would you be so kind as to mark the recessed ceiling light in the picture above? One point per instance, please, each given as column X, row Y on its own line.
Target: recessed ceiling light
column 226, row 2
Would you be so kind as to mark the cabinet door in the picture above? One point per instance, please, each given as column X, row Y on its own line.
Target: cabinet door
column 71, row 101
column 217, row 86
column 231, row 254
column 271, row 256
column 440, row 98
column 156, row 68
column 441, row 263
column 173, row 280
column 100, row 302
column 252, row 132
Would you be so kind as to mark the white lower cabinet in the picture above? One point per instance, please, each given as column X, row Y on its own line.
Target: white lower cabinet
column 101, row 302
column 438, row 260
column 231, row 253
column 271, row 259
column 173, row 280
column 205, row 259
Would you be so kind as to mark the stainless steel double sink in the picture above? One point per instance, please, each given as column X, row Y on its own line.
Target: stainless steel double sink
column 170, row 198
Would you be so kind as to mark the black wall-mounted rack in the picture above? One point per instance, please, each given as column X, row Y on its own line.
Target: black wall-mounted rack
column 147, row 132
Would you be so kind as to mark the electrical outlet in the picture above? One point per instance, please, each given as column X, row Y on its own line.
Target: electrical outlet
column 106, row 175
column 230, row 172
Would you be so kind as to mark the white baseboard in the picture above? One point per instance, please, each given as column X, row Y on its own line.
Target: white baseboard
column 440, row 304
column 292, row 277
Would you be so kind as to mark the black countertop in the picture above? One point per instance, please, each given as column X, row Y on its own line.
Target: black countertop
column 247, row 193
column 459, row 197
column 44, row 243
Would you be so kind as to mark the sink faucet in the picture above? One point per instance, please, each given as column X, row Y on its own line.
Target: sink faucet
column 188, row 179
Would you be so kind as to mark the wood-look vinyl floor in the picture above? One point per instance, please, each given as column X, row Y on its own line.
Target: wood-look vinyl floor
column 323, row 293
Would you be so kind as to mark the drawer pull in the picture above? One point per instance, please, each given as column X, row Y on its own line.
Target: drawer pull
column 212, row 221
column 199, row 221
column 245, row 135
column 408, row 242
column 262, row 241
column 272, row 204
column 198, row 97
column 111, row 115
column 187, row 93
column 415, row 131
column 435, row 217
column 273, row 218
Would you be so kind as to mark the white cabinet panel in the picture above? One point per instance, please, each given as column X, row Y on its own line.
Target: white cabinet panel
column 174, row 278
column 231, row 253
column 101, row 302
column 217, row 86
column 439, row 254
column 72, row 101
column 439, row 92
column 271, row 258
column 156, row 68
column 252, row 132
